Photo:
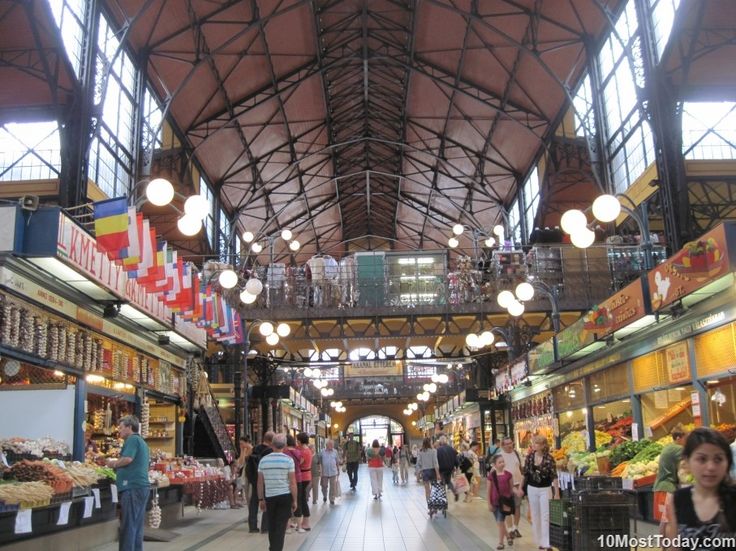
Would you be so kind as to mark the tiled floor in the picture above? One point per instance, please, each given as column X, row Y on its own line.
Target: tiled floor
column 398, row 522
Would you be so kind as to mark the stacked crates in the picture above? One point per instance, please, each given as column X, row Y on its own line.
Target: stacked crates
column 578, row 522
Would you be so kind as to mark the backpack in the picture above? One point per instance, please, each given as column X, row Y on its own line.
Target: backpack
column 464, row 463
column 251, row 465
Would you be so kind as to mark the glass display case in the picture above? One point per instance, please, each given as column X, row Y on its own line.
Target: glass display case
column 416, row 279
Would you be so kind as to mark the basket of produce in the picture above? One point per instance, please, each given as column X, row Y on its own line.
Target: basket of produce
column 42, row 471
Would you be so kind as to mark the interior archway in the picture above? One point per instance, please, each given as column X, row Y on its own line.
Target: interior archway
column 385, row 429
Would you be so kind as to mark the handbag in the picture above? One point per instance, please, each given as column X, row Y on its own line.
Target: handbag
column 460, row 483
column 506, row 503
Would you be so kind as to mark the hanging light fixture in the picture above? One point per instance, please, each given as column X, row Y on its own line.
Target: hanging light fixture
column 516, row 308
column 524, row 291
column 458, row 229
column 294, row 245
column 452, row 242
column 189, row 225
column 272, row 339
column 499, row 231
column 283, row 329
column 248, row 236
column 606, row 208
column 443, row 378
column 486, row 338
column 266, row 328
column 159, row 192
column 582, row 238
column 247, row 297
column 472, row 340
column 572, row 220
column 490, row 242
column 286, row 235
column 256, row 247
column 228, row 279
column 197, row 206
column 505, row 298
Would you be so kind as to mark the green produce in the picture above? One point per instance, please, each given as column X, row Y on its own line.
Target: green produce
column 648, row 454
column 626, row 451
column 106, row 472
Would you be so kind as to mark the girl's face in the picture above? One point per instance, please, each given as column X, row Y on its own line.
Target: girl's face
column 538, row 446
column 709, row 465
column 500, row 464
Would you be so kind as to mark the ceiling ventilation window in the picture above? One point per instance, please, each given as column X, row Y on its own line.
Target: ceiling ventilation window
column 151, row 133
column 70, row 16
column 515, row 222
column 629, row 142
column 663, row 17
column 110, row 157
column 583, row 112
column 224, row 237
column 209, row 222
column 29, row 151
column 531, row 198
column 709, row 130
column 418, row 352
column 361, row 354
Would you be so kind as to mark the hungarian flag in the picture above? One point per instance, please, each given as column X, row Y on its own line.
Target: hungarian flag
column 111, row 226
column 155, row 271
column 147, row 238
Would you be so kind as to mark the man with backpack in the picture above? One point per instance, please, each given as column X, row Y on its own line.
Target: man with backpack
column 494, row 448
column 251, row 473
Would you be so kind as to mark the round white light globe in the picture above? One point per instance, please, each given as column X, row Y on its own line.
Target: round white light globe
column 266, row 328
column 472, row 340
column 413, row 406
column 432, row 387
column 425, row 387
column 254, row 286
column 188, row 225
column 228, row 279
column 572, row 220
column 425, row 395
column 308, row 372
column 458, row 229
column 197, row 206
column 490, row 242
column 499, row 231
column 286, row 235
column 606, row 208
column 525, row 291
column 272, row 339
column 283, row 329
column 505, row 298
column 486, row 338
column 582, row 238
column 247, row 297
column 294, row 245
column 419, row 396
column 316, row 373
column 248, row 236
column 324, row 392
column 516, row 308
column 330, row 391
column 159, row 192
column 452, row 242
column 256, row 247
column 444, row 378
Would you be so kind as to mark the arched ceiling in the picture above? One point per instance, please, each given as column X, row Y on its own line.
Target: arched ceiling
column 343, row 119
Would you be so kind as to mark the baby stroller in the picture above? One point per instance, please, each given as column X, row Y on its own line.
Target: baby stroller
column 437, row 499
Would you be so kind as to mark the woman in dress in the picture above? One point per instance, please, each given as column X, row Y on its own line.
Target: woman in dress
column 540, row 479
column 707, row 509
column 375, row 469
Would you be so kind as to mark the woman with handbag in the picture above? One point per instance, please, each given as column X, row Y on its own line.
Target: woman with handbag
column 540, row 481
column 501, row 492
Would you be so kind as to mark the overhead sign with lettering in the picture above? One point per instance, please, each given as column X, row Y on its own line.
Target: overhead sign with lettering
column 693, row 267
column 623, row 308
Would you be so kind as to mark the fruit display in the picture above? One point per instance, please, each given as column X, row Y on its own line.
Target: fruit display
column 35, row 448
column 602, row 438
column 575, row 442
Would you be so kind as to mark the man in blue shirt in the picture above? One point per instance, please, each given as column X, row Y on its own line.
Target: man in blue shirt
column 277, row 493
column 132, row 483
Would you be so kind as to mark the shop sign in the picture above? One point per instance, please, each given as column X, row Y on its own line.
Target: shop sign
column 519, row 372
column 695, row 398
column 503, row 381
column 377, row 368
column 542, row 356
column 678, row 363
column 574, row 338
column 625, row 307
column 59, row 304
column 10, row 229
column 694, row 266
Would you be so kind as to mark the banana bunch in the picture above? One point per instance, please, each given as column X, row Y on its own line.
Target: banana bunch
column 98, row 420
column 25, row 492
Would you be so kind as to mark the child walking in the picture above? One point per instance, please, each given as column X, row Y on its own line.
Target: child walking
column 501, row 490
column 395, row 467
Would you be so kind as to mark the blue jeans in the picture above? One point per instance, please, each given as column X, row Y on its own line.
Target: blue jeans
column 133, row 508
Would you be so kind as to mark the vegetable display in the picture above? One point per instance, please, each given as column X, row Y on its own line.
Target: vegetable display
column 626, row 451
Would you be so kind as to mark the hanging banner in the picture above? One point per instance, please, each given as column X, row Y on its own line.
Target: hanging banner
column 378, row 368
column 542, row 356
column 626, row 306
column 694, row 266
column 574, row 338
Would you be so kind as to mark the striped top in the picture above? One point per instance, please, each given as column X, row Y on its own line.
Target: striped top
column 276, row 468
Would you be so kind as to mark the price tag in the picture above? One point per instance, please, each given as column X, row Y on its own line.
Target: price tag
column 114, row 493
column 64, row 514
column 23, row 521
column 89, row 502
column 96, row 494
column 635, row 432
column 648, row 432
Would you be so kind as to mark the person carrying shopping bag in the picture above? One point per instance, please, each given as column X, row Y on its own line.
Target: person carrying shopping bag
column 501, row 491
column 540, row 479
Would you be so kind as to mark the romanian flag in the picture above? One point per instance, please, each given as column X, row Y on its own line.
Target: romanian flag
column 111, row 226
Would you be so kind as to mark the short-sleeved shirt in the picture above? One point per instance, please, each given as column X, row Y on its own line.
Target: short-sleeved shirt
column 306, row 464
column 275, row 468
column 512, row 463
column 135, row 474
column 330, row 463
column 352, row 451
column 296, row 455
column 374, row 458
column 669, row 461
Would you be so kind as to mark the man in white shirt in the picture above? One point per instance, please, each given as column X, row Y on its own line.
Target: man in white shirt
column 330, row 471
column 277, row 491
column 513, row 462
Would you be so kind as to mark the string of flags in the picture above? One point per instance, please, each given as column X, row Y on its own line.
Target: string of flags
column 128, row 239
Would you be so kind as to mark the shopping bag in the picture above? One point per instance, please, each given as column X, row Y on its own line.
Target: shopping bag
column 460, row 482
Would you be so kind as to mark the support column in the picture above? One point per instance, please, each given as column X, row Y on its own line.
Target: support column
column 80, row 416
column 664, row 112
